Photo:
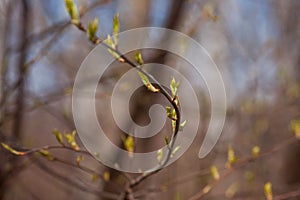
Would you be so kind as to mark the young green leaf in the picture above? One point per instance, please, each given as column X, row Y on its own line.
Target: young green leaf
column 70, row 137
column 106, row 176
column 129, row 144
column 111, row 43
column 97, row 155
column 72, row 10
column 138, row 58
column 79, row 159
column 231, row 158
column 58, row 136
column 116, row 56
column 95, row 177
column 295, row 127
column 232, row 190
column 171, row 113
column 182, row 125
column 159, row 155
column 167, row 141
column 174, row 87
column 13, row 151
column 215, row 173
column 175, row 151
column 268, row 191
column 147, row 83
column 116, row 27
column 92, row 29
column 173, row 124
column 255, row 151
column 207, row 189
column 249, row 176
column 46, row 154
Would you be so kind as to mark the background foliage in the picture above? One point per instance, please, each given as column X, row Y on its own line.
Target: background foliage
column 255, row 45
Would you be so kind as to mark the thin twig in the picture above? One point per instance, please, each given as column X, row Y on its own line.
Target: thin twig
column 162, row 90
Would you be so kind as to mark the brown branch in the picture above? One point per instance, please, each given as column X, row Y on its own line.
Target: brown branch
column 4, row 59
column 288, row 195
column 162, row 90
column 22, row 71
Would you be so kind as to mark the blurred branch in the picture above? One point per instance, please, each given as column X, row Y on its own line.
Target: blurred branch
column 50, row 157
column 39, row 36
column 241, row 163
column 58, row 29
column 22, row 71
column 288, row 195
column 17, row 169
column 4, row 60
column 82, row 168
column 73, row 183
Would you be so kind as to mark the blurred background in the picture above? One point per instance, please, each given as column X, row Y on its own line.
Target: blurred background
column 256, row 46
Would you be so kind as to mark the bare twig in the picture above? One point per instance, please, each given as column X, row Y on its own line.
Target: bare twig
column 161, row 89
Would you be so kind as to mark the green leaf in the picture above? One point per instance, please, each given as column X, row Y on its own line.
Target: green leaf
column 175, row 151
column 174, row 87
column 167, row 141
column 92, row 29
column 171, row 113
column 255, row 151
column 106, row 176
column 95, row 177
column 207, row 189
column 231, row 158
column 215, row 173
column 109, row 42
column 58, row 136
column 182, row 125
column 138, row 58
column 112, row 51
column 79, row 159
column 268, row 191
column 295, row 127
column 97, row 155
column 72, row 10
column 116, row 27
column 116, row 55
column 232, row 190
column 13, row 151
column 46, row 154
column 249, row 176
column 159, row 155
column 147, row 83
column 70, row 137
column 129, row 144
column 173, row 124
